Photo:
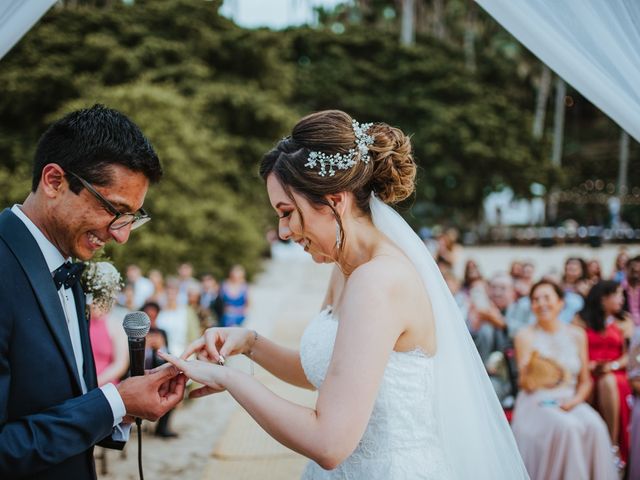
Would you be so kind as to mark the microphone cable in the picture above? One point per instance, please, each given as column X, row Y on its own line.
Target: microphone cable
column 139, row 425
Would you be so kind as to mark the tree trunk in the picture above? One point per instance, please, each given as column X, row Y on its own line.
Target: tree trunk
column 541, row 102
column 558, row 122
column 439, row 24
column 407, row 30
column 558, row 140
column 470, row 36
column 623, row 162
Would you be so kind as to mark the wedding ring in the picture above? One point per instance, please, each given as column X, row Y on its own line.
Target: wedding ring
column 221, row 361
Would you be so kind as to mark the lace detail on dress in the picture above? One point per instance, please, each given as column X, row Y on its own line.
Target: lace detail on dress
column 561, row 347
column 400, row 441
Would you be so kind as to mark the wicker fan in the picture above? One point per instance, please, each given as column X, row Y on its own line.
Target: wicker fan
column 541, row 372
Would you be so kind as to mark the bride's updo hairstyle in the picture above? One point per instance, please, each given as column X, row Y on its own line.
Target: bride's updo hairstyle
column 390, row 171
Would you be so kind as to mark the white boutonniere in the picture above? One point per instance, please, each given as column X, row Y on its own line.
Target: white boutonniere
column 101, row 283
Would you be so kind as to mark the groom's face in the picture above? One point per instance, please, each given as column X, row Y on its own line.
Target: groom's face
column 79, row 224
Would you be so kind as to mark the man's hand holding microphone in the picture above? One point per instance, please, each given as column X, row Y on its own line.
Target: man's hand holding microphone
column 153, row 393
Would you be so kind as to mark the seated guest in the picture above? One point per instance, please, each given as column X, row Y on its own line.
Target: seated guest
column 559, row 435
column 606, row 326
column 522, row 284
column 594, row 271
column 633, row 372
column 521, row 315
column 631, row 287
column 515, row 270
column 490, row 332
column 576, row 286
column 576, row 276
column 620, row 266
column 491, row 337
column 449, row 250
column 473, row 294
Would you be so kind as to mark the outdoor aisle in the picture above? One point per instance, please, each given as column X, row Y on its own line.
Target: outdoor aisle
column 284, row 299
column 217, row 439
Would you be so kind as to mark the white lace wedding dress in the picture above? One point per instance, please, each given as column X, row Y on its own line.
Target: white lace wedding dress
column 401, row 440
column 434, row 417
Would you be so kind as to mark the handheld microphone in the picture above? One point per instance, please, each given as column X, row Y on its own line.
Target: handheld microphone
column 136, row 325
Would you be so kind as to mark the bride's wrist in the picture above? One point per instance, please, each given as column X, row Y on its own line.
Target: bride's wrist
column 222, row 378
column 250, row 343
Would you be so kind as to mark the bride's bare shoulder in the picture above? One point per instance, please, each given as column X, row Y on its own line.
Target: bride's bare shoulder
column 385, row 271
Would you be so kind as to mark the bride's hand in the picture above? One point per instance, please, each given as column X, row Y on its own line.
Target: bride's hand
column 217, row 342
column 208, row 374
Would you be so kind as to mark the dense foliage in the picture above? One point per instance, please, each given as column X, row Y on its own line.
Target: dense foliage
column 213, row 97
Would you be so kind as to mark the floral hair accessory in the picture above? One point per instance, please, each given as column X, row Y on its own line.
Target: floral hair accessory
column 343, row 161
column 101, row 283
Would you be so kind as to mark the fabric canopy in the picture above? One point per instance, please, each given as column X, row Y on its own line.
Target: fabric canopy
column 594, row 45
column 16, row 18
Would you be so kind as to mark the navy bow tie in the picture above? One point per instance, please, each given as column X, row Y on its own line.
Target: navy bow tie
column 68, row 274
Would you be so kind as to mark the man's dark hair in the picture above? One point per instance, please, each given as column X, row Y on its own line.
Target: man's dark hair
column 635, row 259
column 88, row 141
column 151, row 304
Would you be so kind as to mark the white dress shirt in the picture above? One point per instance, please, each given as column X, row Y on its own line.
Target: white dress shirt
column 54, row 259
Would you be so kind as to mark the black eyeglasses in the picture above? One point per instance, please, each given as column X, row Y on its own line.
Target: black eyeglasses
column 121, row 220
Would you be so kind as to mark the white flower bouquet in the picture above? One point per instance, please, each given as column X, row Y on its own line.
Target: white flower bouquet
column 101, row 283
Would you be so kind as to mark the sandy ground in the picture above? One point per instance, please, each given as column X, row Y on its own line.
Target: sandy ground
column 291, row 287
column 199, row 424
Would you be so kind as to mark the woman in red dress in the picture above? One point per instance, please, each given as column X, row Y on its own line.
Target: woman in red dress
column 606, row 330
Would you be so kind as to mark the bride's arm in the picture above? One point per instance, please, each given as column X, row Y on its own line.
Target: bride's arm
column 280, row 361
column 284, row 362
column 218, row 343
column 328, row 434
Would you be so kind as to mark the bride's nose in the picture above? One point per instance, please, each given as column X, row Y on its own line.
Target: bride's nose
column 283, row 232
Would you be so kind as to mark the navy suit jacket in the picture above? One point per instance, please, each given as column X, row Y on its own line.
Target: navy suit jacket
column 47, row 426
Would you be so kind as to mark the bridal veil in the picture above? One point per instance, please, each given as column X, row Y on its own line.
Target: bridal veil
column 476, row 437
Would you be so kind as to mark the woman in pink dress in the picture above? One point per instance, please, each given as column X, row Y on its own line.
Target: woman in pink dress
column 109, row 345
column 560, row 436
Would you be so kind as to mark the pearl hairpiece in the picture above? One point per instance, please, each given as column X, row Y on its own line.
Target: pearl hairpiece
column 343, row 161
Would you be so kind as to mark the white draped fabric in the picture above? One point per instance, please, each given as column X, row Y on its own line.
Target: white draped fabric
column 594, row 45
column 17, row 17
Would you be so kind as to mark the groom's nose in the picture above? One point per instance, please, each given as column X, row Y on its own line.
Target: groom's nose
column 121, row 235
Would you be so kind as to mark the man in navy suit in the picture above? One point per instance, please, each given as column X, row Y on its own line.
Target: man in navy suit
column 91, row 173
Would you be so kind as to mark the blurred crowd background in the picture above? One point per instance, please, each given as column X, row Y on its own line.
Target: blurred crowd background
column 508, row 155
column 601, row 300
column 180, row 307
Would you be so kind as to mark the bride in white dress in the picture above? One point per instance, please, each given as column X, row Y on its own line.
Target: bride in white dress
column 402, row 393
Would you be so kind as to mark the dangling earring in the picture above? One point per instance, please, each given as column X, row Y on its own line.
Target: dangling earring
column 338, row 237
